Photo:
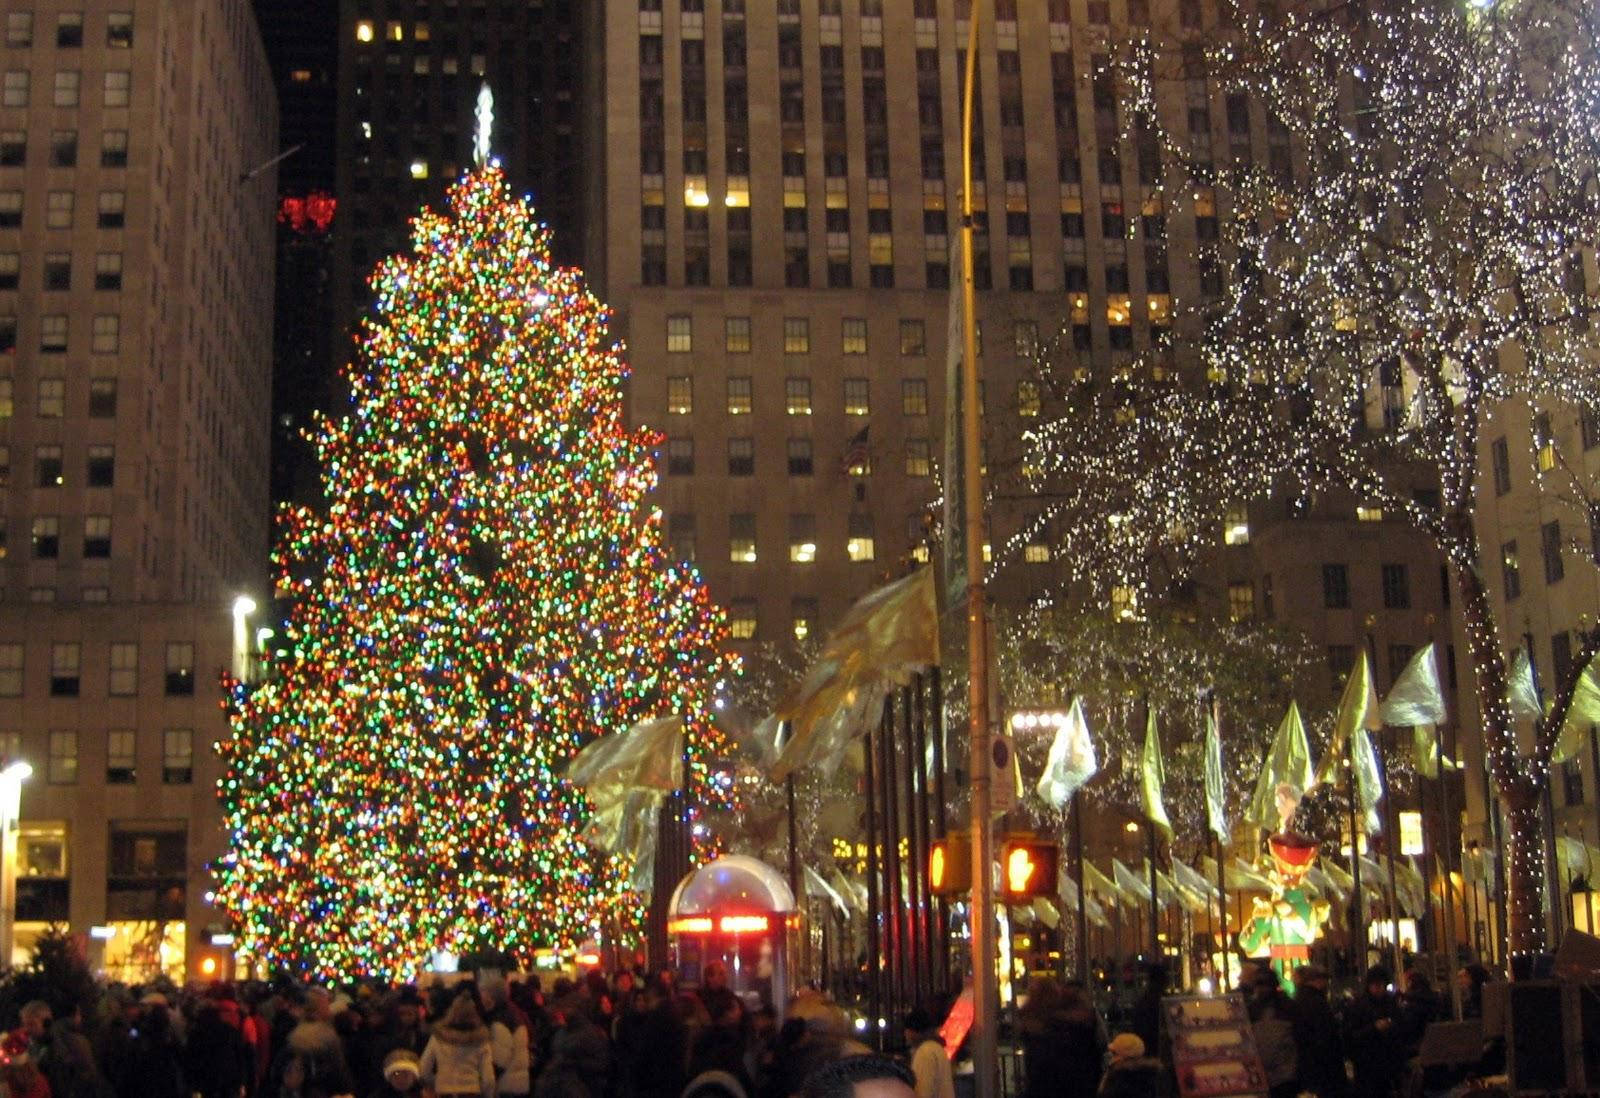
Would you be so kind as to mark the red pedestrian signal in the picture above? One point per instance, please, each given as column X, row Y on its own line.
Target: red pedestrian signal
column 1028, row 868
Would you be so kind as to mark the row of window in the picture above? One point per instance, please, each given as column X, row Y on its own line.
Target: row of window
column 16, row 88
column 857, row 396
column 738, row 337
column 122, row 752
column 49, row 466
column 122, row 680
column 20, row 30
column 1395, row 582
column 105, row 333
column 1555, row 568
column 804, row 543
column 57, row 270
column 64, row 148
column 45, row 538
column 1544, row 448
column 60, row 209
column 856, row 461
column 51, row 398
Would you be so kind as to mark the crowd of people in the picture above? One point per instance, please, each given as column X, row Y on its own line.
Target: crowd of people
column 1365, row 1046
column 598, row 1037
column 635, row 1037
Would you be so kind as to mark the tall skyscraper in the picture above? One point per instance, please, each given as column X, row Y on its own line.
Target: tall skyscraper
column 135, row 335
column 780, row 192
column 409, row 75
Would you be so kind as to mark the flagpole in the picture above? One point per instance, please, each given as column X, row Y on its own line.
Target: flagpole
column 985, row 1056
column 1155, row 910
column 1083, row 892
column 1222, row 911
column 1358, row 919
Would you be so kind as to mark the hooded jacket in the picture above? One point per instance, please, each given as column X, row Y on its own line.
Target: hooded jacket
column 458, row 1059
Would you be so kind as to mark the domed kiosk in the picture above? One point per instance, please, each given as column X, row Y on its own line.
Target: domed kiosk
column 740, row 912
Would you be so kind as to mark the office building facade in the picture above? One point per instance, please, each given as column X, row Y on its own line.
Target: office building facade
column 135, row 336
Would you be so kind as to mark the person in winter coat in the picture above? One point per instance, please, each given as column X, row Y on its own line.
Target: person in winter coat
column 67, row 1060
column 508, row 1039
column 1274, row 1022
column 1061, row 1050
column 218, row 1061
column 155, row 1065
column 1321, row 1052
column 311, row 1064
column 652, row 1048
column 580, row 1055
column 1130, row 1073
column 1373, row 1036
column 459, row 1060
column 402, row 1076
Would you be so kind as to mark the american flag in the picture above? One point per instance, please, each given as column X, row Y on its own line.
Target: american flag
column 857, row 455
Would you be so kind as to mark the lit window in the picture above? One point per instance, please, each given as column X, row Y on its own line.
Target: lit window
column 121, row 752
column 10, row 270
column 1369, row 512
column 854, row 335
column 102, row 397
column 106, row 334
column 118, row 88
column 180, row 669
column 124, row 670
column 419, row 169
column 52, row 398
column 1544, row 442
column 65, row 669
column 1241, row 601
column 108, row 271
column 97, row 537
column 741, row 456
column 47, row 471
column 301, row 76
column 797, row 395
column 919, row 462
column 395, row 31
column 739, row 396
column 15, row 84
column 1036, row 553
column 67, row 84
column 112, row 209
column 58, row 210
column 680, row 335
column 742, row 619
column 53, row 334
column 857, row 396
column 742, row 539
column 1027, row 398
column 1124, row 602
column 63, row 768
column 114, row 149
column 1236, row 527
column 364, row 31
column 102, row 466
column 859, row 546
column 69, row 30
column 10, row 211
column 914, row 397
column 177, row 756
column 913, row 338
column 421, row 32
column 736, row 334
column 802, row 539
column 680, row 535
column 680, row 395
column 19, row 29
column 1025, row 338
column 46, row 537
column 119, row 30
column 804, row 615
column 796, row 335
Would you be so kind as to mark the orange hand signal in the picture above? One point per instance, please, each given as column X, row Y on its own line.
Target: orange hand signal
column 1019, row 869
column 936, row 867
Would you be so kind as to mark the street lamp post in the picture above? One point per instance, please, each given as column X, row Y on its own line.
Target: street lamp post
column 11, row 779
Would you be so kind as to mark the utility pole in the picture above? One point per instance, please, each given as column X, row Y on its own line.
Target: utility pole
column 985, row 989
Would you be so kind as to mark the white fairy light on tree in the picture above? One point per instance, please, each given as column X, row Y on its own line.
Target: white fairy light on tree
column 1413, row 266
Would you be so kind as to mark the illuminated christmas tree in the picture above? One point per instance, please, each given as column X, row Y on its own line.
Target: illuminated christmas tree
column 1410, row 259
column 483, row 592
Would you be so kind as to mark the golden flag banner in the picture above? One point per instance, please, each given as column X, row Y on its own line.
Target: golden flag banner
column 1583, row 714
column 649, row 755
column 1358, row 712
column 888, row 635
column 626, row 775
column 1096, row 883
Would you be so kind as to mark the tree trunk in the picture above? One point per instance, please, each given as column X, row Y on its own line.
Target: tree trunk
column 1518, row 780
column 1524, row 877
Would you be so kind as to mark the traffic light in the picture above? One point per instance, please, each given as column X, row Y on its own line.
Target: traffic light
column 950, row 864
column 1028, row 868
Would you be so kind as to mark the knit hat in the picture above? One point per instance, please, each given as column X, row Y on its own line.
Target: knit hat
column 401, row 1060
column 1126, row 1046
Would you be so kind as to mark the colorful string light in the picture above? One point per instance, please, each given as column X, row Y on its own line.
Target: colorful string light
column 483, row 591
